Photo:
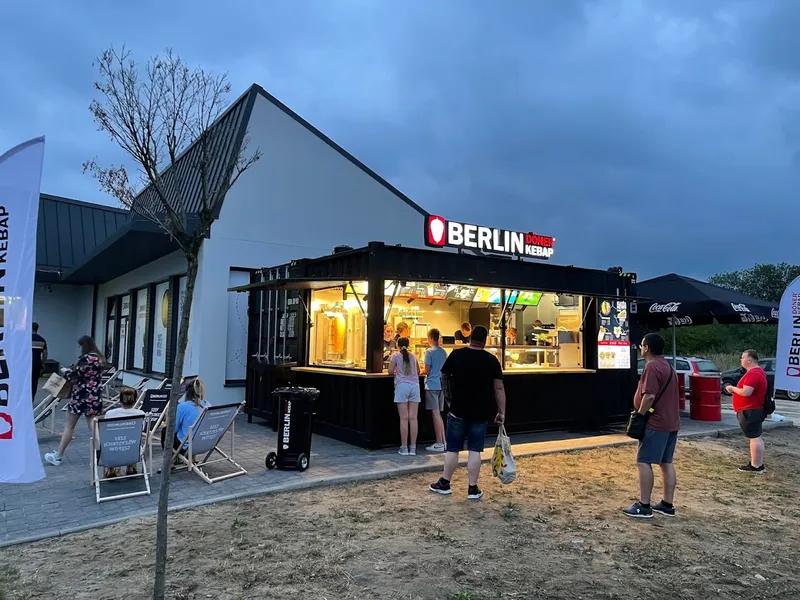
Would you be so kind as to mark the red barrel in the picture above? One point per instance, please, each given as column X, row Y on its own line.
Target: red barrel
column 705, row 398
column 682, row 389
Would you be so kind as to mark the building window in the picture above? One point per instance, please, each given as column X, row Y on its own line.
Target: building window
column 339, row 332
column 111, row 327
column 140, row 328
column 162, row 321
column 124, row 315
column 542, row 330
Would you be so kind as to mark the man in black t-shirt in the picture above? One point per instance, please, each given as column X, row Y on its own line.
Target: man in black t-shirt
column 39, row 356
column 473, row 381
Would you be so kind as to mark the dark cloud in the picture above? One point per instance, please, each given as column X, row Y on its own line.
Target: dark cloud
column 663, row 135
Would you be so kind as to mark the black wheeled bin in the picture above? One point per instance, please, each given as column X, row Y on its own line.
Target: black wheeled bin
column 295, row 420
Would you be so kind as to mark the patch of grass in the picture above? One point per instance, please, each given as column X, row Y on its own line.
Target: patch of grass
column 238, row 524
column 463, row 596
column 720, row 500
column 8, row 577
column 510, row 511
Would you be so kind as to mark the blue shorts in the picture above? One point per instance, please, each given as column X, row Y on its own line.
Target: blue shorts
column 460, row 431
column 657, row 447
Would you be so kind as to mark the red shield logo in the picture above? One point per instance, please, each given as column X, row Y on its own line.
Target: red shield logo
column 437, row 228
column 6, row 427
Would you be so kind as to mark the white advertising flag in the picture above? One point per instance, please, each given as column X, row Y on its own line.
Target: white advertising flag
column 787, row 360
column 20, row 178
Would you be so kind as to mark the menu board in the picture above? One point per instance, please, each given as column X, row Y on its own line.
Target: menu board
column 529, row 298
column 613, row 335
column 460, row 292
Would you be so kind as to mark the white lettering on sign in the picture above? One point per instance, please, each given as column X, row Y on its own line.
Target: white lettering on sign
column 678, row 321
column 669, row 307
column 740, row 307
column 439, row 233
column 287, row 417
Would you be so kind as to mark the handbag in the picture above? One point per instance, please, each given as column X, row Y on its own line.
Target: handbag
column 503, row 465
column 637, row 422
column 54, row 385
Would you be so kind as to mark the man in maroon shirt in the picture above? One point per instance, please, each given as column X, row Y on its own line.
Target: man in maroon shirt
column 748, row 402
column 658, row 396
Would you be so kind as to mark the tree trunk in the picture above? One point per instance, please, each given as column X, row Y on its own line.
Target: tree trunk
column 166, row 467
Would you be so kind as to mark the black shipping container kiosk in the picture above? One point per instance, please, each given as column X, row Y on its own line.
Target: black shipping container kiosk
column 563, row 336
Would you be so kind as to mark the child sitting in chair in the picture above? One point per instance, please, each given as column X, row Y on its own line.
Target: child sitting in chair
column 127, row 400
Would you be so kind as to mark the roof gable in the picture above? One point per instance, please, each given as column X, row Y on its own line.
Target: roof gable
column 230, row 130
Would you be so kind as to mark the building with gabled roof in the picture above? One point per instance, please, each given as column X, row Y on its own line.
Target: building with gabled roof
column 304, row 196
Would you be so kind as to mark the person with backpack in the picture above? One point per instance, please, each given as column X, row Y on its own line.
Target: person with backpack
column 657, row 399
column 752, row 406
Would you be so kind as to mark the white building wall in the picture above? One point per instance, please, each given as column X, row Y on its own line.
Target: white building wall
column 64, row 314
column 172, row 264
column 300, row 200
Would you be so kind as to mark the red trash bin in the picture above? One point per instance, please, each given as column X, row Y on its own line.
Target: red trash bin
column 705, row 399
column 682, row 390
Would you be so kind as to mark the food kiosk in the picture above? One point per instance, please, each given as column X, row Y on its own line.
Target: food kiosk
column 561, row 333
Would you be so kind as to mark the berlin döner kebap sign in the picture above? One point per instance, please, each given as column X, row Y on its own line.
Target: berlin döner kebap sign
column 440, row 232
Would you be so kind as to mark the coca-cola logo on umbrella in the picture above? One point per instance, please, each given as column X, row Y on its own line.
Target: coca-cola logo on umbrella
column 678, row 321
column 669, row 307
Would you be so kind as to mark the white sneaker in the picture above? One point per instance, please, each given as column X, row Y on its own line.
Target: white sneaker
column 412, row 450
column 53, row 458
column 403, row 451
column 436, row 448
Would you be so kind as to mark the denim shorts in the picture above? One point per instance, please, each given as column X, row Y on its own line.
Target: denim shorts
column 406, row 392
column 460, row 431
column 657, row 447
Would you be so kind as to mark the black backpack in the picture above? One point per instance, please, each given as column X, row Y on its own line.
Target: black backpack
column 769, row 404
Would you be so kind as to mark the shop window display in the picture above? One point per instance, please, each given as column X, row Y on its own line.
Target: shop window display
column 339, row 332
column 542, row 330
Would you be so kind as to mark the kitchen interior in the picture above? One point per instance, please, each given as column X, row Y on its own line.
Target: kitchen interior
column 543, row 330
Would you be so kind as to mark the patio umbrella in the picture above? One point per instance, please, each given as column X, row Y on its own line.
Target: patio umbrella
column 677, row 301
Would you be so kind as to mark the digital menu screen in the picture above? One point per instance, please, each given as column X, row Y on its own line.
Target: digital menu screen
column 613, row 335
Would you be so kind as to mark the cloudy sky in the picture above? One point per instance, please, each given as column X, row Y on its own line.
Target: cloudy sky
column 660, row 135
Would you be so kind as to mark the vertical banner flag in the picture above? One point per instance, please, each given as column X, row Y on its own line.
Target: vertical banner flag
column 787, row 360
column 20, row 178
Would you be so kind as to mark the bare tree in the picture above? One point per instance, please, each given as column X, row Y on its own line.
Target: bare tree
column 154, row 112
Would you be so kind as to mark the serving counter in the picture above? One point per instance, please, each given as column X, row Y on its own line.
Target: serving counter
column 564, row 349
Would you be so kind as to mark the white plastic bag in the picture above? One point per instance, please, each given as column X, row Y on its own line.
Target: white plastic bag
column 503, row 466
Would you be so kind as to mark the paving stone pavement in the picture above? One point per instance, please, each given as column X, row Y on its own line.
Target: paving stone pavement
column 64, row 501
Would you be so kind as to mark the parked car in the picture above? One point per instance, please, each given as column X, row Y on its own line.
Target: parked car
column 733, row 376
column 689, row 365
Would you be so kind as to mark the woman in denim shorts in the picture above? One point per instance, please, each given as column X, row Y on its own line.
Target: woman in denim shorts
column 403, row 365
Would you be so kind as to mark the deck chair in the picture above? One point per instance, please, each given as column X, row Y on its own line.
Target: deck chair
column 143, row 390
column 158, row 420
column 110, row 380
column 117, row 443
column 45, row 412
column 113, row 401
column 203, row 439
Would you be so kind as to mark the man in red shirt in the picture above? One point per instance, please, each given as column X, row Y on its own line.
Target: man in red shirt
column 748, row 402
column 658, row 390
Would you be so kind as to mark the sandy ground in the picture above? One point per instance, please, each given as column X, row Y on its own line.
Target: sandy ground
column 555, row 533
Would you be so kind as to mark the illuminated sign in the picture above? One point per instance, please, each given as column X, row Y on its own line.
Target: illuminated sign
column 440, row 233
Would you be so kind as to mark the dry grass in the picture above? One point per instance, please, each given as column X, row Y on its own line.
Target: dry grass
column 555, row 533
